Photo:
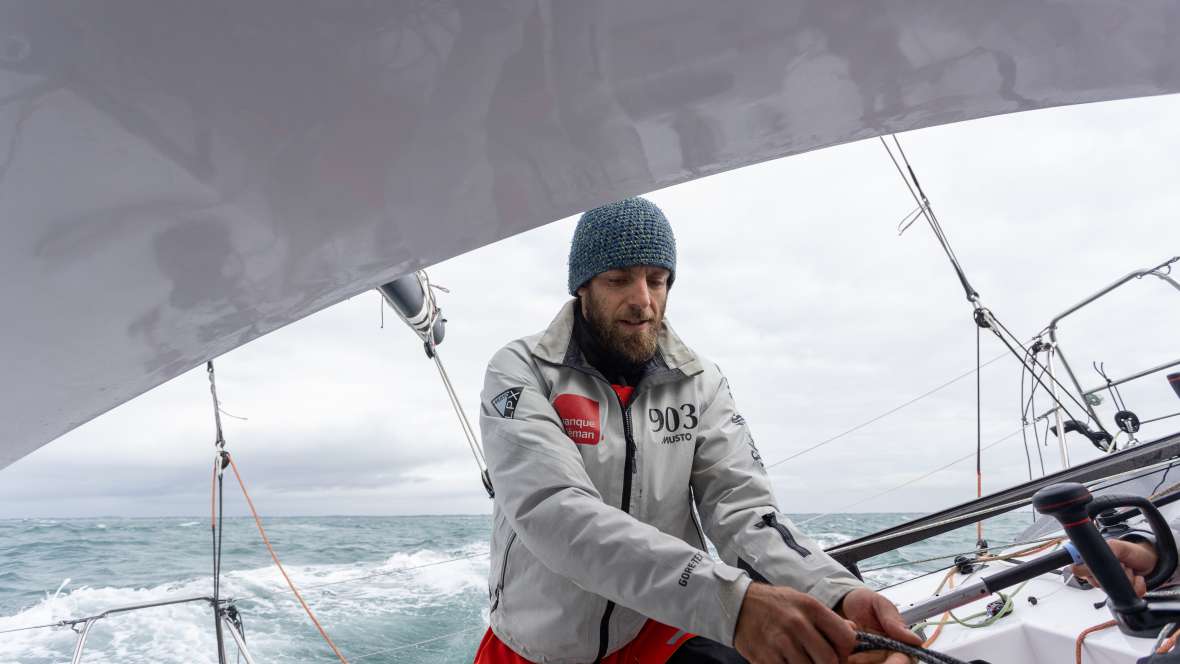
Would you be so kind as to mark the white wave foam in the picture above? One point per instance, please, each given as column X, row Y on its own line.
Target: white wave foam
column 827, row 539
column 412, row 583
column 189, row 524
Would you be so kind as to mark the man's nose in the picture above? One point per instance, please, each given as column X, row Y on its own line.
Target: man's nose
column 639, row 295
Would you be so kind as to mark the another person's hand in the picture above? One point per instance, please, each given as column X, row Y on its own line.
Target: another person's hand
column 779, row 625
column 871, row 612
column 1137, row 559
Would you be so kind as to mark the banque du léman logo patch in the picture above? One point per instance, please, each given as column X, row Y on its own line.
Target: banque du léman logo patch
column 579, row 418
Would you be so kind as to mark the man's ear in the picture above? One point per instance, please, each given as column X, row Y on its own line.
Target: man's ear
column 580, row 296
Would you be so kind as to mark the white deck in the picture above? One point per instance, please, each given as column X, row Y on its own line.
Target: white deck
column 1033, row 633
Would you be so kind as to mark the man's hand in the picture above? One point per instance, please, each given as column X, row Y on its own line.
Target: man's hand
column 873, row 613
column 1137, row 559
column 779, row 625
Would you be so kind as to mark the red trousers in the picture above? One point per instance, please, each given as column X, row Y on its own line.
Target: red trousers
column 654, row 644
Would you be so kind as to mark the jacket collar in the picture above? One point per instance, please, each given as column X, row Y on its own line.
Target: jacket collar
column 556, row 346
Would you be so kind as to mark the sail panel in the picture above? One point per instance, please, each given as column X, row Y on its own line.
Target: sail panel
column 179, row 178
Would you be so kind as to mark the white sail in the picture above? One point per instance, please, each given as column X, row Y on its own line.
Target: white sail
column 179, row 178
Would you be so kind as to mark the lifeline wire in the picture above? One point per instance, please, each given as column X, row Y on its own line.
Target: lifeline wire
column 1093, row 485
column 976, row 552
column 419, row 643
column 909, row 482
column 885, row 414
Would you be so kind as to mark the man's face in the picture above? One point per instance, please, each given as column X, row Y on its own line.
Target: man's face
column 626, row 308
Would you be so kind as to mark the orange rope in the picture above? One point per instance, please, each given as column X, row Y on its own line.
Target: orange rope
column 1023, row 552
column 978, row 494
column 949, row 581
column 273, row 556
column 1168, row 644
column 1077, row 645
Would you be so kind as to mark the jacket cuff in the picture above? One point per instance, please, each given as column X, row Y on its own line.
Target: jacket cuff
column 732, row 584
column 1136, row 536
column 831, row 590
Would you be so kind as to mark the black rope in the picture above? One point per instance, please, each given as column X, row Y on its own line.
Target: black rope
column 867, row 642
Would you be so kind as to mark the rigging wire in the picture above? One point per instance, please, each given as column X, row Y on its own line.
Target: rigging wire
column 216, row 496
column 426, row 333
column 1116, row 397
column 1007, row 338
column 1031, row 405
column 979, row 429
column 927, row 211
column 1024, row 428
column 908, row 482
column 1094, row 486
column 423, row 642
column 464, row 423
column 885, row 414
column 973, row 552
column 1157, row 419
column 983, row 317
column 222, row 460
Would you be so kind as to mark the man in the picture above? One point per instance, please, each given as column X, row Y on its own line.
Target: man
column 1136, row 552
column 601, row 433
column 1137, row 556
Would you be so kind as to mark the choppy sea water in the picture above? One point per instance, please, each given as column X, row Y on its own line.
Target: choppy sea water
column 387, row 589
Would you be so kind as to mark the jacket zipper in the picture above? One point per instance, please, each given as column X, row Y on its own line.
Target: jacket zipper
column 503, row 572
column 771, row 520
column 628, row 472
column 692, row 512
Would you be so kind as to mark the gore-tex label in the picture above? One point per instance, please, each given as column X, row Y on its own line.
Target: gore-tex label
column 579, row 418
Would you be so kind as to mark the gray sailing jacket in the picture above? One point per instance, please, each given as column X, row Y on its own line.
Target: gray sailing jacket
column 594, row 530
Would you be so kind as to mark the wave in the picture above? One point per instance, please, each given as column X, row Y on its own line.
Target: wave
column 422, row 582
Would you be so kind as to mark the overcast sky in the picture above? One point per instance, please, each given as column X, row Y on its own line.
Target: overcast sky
column 791, row 275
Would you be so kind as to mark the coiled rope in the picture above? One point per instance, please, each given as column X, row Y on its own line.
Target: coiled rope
column 867, row 642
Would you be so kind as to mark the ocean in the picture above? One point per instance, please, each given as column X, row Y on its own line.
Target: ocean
column 387, row 589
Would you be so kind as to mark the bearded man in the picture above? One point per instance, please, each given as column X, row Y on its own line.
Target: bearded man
column 602, row 434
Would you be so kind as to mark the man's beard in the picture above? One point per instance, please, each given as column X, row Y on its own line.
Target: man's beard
column 635, row 347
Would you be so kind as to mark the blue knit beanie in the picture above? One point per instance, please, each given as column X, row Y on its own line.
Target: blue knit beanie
column 630, row 232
